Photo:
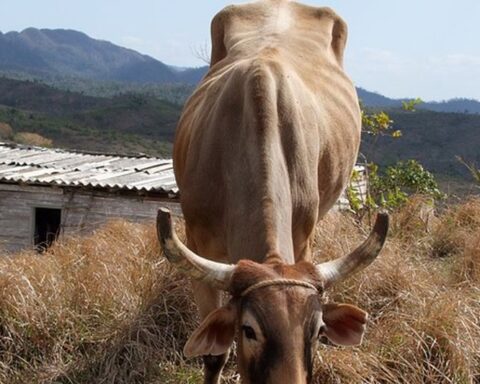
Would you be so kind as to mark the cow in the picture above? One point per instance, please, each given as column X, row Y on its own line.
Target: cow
column 263, row 149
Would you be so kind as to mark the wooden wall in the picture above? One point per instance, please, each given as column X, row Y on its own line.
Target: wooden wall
column 82, row 211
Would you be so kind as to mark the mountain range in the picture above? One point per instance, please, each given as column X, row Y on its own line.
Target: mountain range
column 60, row 56
column 458, row 105
column 54, row 52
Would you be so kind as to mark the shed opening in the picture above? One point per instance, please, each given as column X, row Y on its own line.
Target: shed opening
column 47, row 227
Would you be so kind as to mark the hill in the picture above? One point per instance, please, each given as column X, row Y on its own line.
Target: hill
column 124, row 123
column 459, row 105
column 432, row 138
column 60, row 52
column 133, row 122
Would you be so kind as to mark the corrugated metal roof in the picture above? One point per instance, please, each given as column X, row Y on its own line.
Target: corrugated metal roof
column 46, row 166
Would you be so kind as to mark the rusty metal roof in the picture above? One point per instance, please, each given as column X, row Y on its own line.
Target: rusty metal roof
column 47, row 166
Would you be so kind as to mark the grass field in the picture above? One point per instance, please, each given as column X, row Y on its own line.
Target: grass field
column 108, row 308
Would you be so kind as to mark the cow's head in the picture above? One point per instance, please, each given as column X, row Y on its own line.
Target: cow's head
column 278, row 311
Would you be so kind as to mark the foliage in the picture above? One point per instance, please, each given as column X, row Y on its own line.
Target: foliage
column 474, row 171
column 378, row 123
column 354, row 197
column 130, row 123
column 433, row 139
column 392, row 187
column 411, row 104
column 176, row 93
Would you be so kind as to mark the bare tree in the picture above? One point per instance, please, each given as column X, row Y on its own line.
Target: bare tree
column 202, row 52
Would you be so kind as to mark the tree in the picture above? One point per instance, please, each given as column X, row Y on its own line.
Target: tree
column 389, row 188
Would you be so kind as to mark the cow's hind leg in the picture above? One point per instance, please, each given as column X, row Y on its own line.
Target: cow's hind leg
column 208, row 299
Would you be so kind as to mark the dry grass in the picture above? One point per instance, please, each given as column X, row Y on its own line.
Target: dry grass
column 109, row 309
column 425, row 310
column 103, row 309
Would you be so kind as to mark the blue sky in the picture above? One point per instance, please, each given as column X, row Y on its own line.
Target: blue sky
column 424, row 48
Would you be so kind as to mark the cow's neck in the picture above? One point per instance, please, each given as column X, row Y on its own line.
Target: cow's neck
column 260, row 225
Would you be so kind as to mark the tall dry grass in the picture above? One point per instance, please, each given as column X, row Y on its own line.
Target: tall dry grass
column 424, row 304
column 101, row 309
column 108, row 309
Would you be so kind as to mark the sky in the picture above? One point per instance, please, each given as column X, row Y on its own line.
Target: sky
column 409, row 48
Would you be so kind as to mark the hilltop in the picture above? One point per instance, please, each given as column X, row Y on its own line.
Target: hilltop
column 63, row 52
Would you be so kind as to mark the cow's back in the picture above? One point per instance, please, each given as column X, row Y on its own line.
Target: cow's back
column 267, row 142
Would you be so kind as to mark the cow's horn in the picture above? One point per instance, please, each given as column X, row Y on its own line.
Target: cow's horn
column 343, row 267
column 211, row 272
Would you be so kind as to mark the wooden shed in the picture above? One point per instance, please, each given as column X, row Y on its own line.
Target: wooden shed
column 45, row 193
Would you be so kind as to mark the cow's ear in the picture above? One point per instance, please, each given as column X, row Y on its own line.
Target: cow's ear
column 334, row 24
column 339, row 39
column 344, row 324
column 217, row 31
column 215, row 334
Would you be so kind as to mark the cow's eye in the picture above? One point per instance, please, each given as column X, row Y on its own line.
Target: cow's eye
column 249, row 332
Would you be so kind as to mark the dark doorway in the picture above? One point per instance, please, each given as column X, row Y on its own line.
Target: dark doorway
column 47, row 227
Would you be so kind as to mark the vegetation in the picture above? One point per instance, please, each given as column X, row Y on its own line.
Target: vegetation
column 28, row 138
column 176, row 93
column 108, row 308
column 474, row 171
column 6, row 131
column 390, row 187
column 432, row 139
column 127, row 123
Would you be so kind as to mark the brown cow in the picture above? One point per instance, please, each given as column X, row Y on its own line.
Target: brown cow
column 264, row 148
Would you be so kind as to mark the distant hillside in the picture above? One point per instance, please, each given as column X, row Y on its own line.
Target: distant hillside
column 46, row 52
column 125, row 123
column 432, row 138
column 373, row 99
column 143, row 123
column 454, row 105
